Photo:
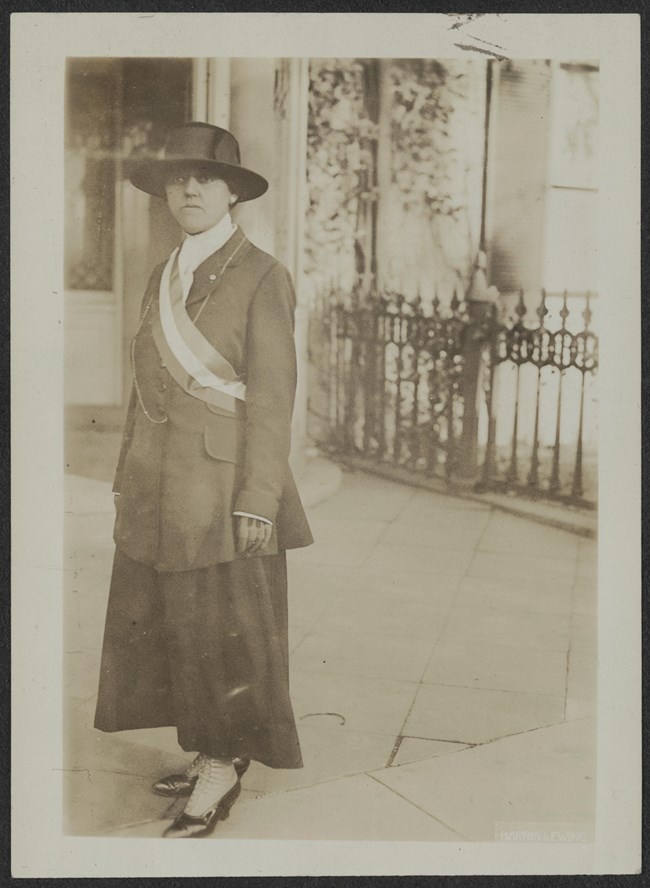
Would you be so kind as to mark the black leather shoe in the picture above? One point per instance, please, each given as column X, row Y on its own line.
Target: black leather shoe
column 188, row 827
column 182, row 785
column 174, row 785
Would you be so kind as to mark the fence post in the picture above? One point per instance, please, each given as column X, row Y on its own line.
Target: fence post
column 480, row 301
column 467, row 454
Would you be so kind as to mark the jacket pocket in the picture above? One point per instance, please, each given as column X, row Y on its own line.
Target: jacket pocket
column 218, row 411
column 223, row 439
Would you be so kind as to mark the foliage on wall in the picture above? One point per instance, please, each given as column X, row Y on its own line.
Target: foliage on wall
column 436, row 132
column 426, row 192
column 339, row 161
column 424, row 92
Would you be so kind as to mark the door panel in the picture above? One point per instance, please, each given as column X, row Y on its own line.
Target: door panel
column 117, row 113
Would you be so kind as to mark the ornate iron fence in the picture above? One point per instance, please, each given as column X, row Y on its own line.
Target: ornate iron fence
column 463, row 393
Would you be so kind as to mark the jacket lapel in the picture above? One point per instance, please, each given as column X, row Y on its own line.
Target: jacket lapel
column 208, row 273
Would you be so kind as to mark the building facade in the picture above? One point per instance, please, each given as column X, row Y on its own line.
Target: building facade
column 389, row 174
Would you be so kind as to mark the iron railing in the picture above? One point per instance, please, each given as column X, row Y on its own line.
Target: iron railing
column 465, row 393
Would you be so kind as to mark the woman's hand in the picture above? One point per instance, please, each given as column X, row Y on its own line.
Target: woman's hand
column 251, row 534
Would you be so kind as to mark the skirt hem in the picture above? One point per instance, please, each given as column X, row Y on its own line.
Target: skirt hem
column 262, row 759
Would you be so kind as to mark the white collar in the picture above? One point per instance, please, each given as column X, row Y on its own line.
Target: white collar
column 196, row 248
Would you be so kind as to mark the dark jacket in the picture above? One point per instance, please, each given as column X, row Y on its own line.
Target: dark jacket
column 181, row 478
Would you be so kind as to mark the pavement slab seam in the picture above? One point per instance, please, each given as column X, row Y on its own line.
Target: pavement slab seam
column 361, row 732
column 515, row 777
column 395, row 519
column 449, row 684
column 484, row 742
column 265, row 793
column 444, row 624
column 324, row 782
column 394, row 751
column 482, row 534
column 411, row 802
column 75, row 514
column 296, row 644
column 402, row 681
column 91, row 588
column 323, row 628
column 424, row 672
column 450, row 497
column 115, row 771
column 398, row 745
column 173, row 808
column 134, row 825
column 441, row 740
column 520, row 733
column 83, row 699
column 86, row 771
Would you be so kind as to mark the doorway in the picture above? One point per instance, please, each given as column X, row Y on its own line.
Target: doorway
column 117, row 113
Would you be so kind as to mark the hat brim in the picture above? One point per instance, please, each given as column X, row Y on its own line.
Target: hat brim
column 151, row 176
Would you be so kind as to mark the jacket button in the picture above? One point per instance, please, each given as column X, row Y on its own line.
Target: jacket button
column 163, row 365
column 163, row 387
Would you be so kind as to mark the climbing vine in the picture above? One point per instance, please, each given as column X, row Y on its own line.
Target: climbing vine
column 339, row 163
column 421, row 192
column 423, row 153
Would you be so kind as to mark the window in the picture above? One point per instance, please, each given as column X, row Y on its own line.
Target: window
column 117, row 110
column 572, row 182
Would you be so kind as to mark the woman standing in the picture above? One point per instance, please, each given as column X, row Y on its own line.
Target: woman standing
column 196, row 627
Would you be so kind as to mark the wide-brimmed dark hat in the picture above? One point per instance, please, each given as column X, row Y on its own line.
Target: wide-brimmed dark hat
column 209, row 147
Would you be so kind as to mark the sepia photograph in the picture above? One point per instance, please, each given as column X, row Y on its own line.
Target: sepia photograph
column 331, row 427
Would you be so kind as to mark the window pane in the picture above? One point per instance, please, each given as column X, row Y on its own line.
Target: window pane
column 574, row 127
column 90, row 174
column 118, row 110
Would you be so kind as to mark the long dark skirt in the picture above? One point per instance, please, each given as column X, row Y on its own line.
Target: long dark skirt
column 204, row 650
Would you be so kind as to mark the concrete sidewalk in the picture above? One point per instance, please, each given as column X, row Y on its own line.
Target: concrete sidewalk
column 443, row 677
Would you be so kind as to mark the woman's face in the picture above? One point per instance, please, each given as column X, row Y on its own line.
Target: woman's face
column 196, row 199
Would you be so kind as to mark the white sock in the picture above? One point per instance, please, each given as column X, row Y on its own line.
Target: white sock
column 193, row 769
column 216, row 777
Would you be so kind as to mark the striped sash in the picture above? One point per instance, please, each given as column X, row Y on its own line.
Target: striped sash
column 195, row 364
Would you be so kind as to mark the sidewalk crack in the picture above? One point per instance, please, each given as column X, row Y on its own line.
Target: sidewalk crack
column 394, row 750
column 419, row 808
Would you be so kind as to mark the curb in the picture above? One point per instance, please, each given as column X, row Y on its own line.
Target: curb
column 581, row 522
